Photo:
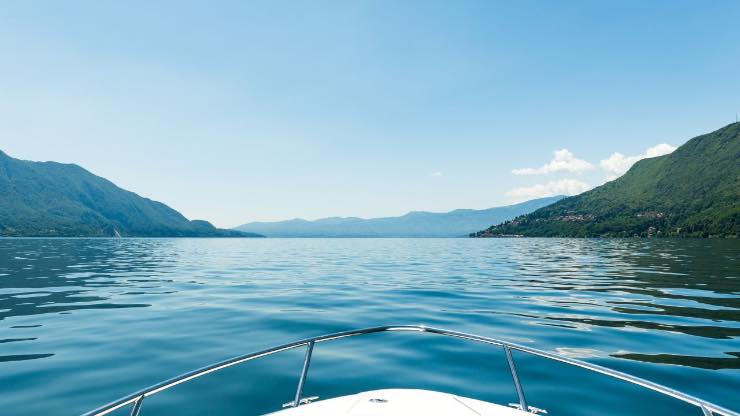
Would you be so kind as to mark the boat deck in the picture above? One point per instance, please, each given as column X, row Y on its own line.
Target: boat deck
column 398, row 402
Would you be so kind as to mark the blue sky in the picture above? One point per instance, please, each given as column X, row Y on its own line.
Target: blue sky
column 242, row 111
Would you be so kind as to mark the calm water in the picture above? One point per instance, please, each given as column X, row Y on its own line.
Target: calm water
column 84, row 321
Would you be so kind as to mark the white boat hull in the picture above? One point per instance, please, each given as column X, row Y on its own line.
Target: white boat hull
column 401, row 402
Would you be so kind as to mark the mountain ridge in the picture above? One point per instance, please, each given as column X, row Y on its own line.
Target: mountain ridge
column 52, row 199
column 691, row 192
column 456, row 223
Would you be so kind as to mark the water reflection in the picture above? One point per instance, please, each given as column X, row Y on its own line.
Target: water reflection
column 711, row 363
column 23, row 357
column 47, row 276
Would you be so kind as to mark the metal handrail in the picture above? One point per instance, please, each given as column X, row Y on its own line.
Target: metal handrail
column 707, row 408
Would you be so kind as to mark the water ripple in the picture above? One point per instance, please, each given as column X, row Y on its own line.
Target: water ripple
column 112, row 315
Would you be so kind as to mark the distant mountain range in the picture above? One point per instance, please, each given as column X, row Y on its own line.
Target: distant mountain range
column 694, row 192
column 49, row 199
column 458, row 223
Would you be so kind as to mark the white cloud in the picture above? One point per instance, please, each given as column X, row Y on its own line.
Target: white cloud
column 562, row 161
column 437, row 174
column 617, row 164
column 561, row 187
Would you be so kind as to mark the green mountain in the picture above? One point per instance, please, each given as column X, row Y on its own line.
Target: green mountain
column 693, row 192
column 52, row 199
column 457, row 223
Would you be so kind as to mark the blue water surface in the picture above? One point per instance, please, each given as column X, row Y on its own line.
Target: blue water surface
column 84, row 321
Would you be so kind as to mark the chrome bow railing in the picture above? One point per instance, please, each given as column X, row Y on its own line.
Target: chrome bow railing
column 136, row 399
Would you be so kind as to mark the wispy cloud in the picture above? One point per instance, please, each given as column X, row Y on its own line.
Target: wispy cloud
column 617, row 164
column 552, row 188
column 437, row 174
column 563, row 161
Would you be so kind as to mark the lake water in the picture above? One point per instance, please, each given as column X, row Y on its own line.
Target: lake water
column 84, row 321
